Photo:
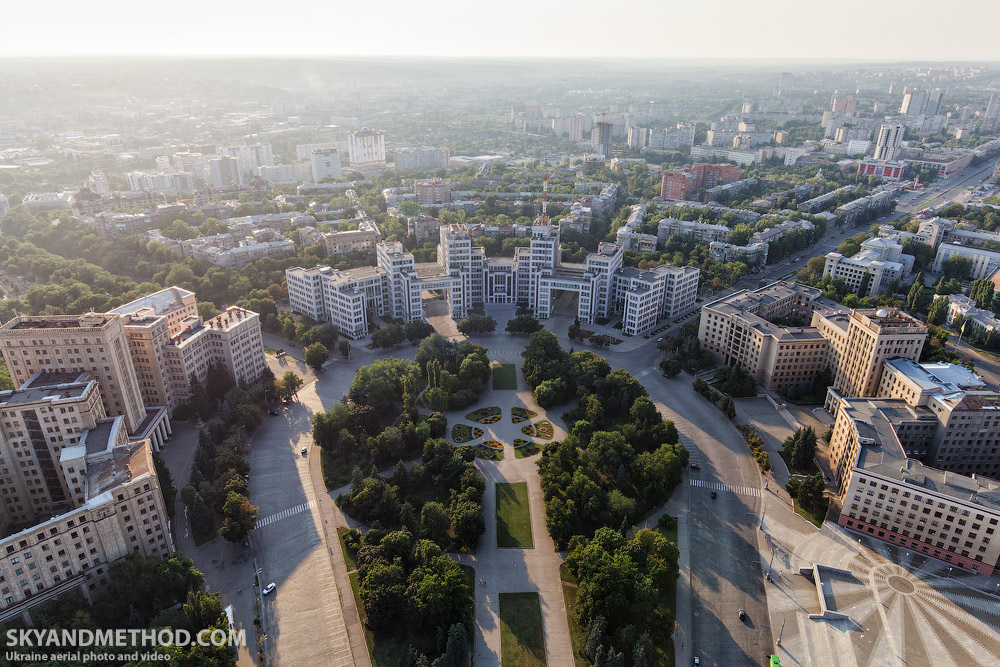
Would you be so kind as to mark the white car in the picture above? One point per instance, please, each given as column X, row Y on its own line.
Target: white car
column 267, row 589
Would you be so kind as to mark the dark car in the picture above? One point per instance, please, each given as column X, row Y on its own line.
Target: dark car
column 695, row 466
column 714, row 495
column 743, row 615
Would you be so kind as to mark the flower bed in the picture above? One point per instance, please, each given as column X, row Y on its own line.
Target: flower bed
column 490, row 415
column 527, row 451
column 543, row 429
column 521, row 442
column 528, row 430
column 462, row 433
column 518, row 415
column 493, row 444
column 488, row 453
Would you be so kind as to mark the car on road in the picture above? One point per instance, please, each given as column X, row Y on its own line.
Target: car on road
column 695, row 466
column 303, row 451
column 743, row 615
column 660, row 339
column 697, row 661
column 271, row 586
column 715, row 494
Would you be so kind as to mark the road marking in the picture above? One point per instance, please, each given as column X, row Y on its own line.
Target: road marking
column 719, row 486
column 505, row 350
column 285, row 513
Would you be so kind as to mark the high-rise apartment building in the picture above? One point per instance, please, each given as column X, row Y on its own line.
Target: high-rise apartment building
column 683, row 183
column 638, row 137
column 432, row 190
column 248, row 158
column 325, row 164
column 601, row 138
column 845, row 105
column 426, row 157
column 366, row 149
column 224, row 171
column 890, row 139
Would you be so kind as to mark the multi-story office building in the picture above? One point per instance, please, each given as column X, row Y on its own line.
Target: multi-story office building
column 878, row 264
column 432, row 190
column 325, row 163
column 737, row 329
column 94, row 343
column 890, row 139
column 861, row 342
column 364, row 238
column 984, row 261
column 366, row 149
column 888, row 494
column 466, row 277
column 112, row 507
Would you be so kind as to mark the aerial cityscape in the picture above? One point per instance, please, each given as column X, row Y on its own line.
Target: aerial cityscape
column 411, row 356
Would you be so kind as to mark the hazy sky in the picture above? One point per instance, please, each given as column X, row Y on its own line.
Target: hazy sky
column 856, row 29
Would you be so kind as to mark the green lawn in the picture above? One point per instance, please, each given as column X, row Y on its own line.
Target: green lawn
column 576, row 634
column 522, row 642
column 787, row 458
column 348, row 558
column 814, row 519
column 504, row 376
column 513, row 519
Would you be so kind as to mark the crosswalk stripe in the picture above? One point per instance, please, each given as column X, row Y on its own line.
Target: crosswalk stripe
column 719, row 486
column 285, row 513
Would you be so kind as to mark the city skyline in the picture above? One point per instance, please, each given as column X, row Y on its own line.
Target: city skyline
column 521, row 29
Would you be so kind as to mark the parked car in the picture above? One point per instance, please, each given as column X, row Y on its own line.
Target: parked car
column 695, row 466
column 714, row 495
column 303, row 451
column 270, row 587
column 743, row 615
column 697, row 661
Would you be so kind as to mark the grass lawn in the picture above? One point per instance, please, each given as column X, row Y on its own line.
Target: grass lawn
column 490, row 415
column 513, row 519
column 569, row 599
column 462, row 433
column 522, row 642
column 487, row 453
column 504, row 376
column 786, row 457
column 816, row 520
column 348, row 558
column 525, row 451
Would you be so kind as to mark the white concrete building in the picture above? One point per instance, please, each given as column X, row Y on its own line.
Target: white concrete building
column 236, row 249
column 366, row 149
column 248, row 158
column 364, row 238
column 880, row 259
column 285, row 174
column 325, row 163
column 889, row 142
column 984, row 262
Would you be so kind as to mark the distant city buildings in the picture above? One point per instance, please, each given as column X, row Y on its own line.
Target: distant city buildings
column 683, row 183
column 432, row 190
column 601, row 138
column 325, row 163
column 364, row 238
column 366, row 149
column 248, row 158
column 422, row 158
column 890, row 139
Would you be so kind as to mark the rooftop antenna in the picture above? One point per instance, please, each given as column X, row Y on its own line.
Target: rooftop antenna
column 544, row 219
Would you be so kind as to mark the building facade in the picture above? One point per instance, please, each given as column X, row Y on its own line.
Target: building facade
column 366, row 149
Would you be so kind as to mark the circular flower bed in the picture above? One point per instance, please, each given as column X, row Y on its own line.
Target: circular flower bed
column 543, row 429
column 482, row 414
column 518, row 415
column 462, row 433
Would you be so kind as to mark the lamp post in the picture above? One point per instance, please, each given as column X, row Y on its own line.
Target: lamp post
column 782, row 631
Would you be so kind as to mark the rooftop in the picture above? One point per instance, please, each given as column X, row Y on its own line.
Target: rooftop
column 88, row 321
column 161, row 303
column 940, row 375
column 52, row 393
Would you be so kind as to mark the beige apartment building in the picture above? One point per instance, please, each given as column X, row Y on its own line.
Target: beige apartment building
column 890, row 495
column 115, row 507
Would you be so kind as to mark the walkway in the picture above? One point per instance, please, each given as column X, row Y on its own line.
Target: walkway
column 515, row 570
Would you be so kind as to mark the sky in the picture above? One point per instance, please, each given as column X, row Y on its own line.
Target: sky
column 924, row 30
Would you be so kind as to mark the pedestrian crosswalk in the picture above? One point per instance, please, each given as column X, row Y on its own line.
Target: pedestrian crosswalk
column 719, row 486
column 285, row 513
column 506, row 351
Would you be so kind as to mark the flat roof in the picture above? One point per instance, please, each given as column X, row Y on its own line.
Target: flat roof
column 89, row 321
column 943, row 375
column 162, row 302
column 16, row 397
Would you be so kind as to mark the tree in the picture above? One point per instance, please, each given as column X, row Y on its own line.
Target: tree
column 956, row 267
column 600, row 341
column 200, row 515
column 805, row 448
column 938, row 311
column 418, row 330
column 574, row 330
column 316, row 356
column 467, row 523
column 670, row 367
column 391, row 336
column 288, row 386
column 915, row 300
column 477, row 323
column 204, row 609
column 345, row 348
column 240, row 517
column 434, row 522
column 523, row 324
column 199, row 397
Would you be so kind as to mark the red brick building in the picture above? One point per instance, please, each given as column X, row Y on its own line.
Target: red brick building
column 682, row 183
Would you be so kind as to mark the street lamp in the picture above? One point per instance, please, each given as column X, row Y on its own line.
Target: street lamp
column 782, row 631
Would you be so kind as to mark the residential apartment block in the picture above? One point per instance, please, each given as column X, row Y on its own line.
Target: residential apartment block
column 325, row 163
column 888, row 494
column 235, row 250
column 432, row 190
column 984, row 262
column 701, row 231
column 366, row 149
column 682, row 183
